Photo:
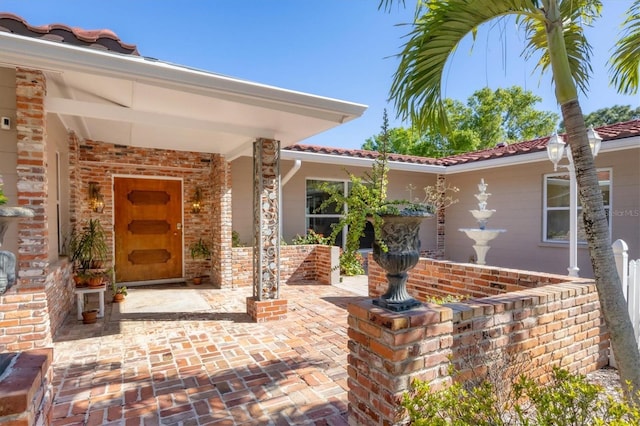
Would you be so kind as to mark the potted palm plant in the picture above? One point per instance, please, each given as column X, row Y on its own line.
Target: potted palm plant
column 88, row 250
column 88, row 247
column 200, row 250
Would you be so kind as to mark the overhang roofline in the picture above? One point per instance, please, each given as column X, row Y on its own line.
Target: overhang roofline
column 20, row 51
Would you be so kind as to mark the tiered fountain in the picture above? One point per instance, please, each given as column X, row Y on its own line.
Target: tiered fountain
column 481, row 235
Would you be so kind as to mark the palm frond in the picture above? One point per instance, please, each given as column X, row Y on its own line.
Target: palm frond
column 416, row 86
column 576, row 15
column 625, row 62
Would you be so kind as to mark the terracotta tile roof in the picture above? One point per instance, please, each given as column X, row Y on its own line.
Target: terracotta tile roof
column 96, row 39
column 609, row 132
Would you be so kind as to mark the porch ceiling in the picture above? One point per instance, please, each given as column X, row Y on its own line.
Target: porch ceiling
column 137, row 101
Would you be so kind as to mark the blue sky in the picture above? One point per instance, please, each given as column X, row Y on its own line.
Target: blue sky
column 341, row 49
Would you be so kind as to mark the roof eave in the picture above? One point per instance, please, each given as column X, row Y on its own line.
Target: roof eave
column 345, row 160
column 20, row 51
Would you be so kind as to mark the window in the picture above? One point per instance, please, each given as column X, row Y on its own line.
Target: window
column 556, row 206
column 321, row 219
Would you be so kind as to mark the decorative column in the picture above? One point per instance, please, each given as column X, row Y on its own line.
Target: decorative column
column 440, row 220
column 265, row 304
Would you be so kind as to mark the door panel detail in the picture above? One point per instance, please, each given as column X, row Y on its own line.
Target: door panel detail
column 148, row 257
column 148, row 227
column 148, row 198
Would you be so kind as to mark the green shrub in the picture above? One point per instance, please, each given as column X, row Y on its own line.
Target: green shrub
column 311, row 238
column 567, row 400
column 441, row 300
column 351, row 263
column 235, row 239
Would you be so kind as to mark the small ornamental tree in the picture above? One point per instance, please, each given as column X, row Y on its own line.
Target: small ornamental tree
column 366, row 201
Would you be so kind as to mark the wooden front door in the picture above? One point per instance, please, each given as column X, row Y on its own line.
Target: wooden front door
column 148, row 229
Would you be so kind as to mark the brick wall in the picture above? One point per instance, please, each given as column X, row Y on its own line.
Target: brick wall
column 221, row 221
column 297, row 262
column 99, row 162
column 26, row 393
column 540, row 319
column 33, row 309
column 33, row 252
column 60, row 293
column 437, row 278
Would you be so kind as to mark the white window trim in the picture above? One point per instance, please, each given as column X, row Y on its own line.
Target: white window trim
column 308, row 215
column 545, row 209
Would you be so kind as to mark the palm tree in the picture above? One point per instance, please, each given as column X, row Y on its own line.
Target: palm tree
column 553, row 30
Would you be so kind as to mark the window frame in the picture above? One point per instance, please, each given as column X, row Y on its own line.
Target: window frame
column 546, row 208
column 308, row 215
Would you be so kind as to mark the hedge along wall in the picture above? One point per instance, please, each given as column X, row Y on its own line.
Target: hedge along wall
column 547, row 321
column 297, row 262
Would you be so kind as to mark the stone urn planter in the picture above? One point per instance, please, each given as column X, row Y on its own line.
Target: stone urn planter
column 400, row 233
column 8, row 259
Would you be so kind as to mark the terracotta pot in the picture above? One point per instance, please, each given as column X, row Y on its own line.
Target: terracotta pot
column 118, row 297
column 90, row 317
column 197, row 280
column 79, row 280
column 95, row 281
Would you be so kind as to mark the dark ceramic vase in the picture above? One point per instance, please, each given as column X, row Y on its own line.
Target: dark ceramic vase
column 400, row 234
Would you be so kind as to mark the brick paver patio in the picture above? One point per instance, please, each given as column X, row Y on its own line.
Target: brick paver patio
column 153, row 362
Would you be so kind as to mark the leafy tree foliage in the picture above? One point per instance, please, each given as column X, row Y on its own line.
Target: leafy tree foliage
column 610, row 115
column 488, row 118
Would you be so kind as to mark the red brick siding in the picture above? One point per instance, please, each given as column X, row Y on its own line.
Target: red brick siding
column 99, row 162
column 266, row 310
column 33, row 251
column 60, row 294
column 550, row 321
column 297, row 262
column 436, row 278
column 26, row 394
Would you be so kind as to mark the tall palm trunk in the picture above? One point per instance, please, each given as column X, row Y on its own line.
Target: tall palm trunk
column 612, row 302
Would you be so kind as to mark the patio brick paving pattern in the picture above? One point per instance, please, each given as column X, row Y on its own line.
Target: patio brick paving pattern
column 212, row 366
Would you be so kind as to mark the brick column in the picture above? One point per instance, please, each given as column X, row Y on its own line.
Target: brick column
column 33, row 258
column 387, row 351
column 221, row 221
column 265, row 304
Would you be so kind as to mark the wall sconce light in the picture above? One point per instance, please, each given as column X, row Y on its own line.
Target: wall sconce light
column 196, row 203
column 96, row 201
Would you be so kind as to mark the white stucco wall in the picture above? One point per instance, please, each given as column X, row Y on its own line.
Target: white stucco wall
column 517, row 197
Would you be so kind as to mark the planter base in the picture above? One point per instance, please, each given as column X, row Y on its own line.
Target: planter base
column 401, row 306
